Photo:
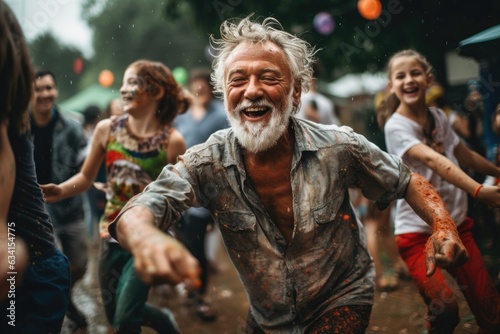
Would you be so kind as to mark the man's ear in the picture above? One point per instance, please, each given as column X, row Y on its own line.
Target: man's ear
column 297, row 91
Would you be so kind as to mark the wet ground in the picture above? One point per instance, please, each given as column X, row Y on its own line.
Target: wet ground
column 399, row 311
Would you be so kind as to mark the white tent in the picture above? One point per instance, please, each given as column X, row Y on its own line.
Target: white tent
column 356, row 84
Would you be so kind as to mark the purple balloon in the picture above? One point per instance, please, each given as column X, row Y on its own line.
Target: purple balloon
column 324, row 23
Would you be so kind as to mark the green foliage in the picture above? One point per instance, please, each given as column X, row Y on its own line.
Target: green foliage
column 127, row 30
column 176, row 33
column 357, row 45
column 48, row 53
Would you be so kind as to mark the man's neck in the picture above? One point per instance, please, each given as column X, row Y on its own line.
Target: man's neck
column 284, row 147
column 42, row 119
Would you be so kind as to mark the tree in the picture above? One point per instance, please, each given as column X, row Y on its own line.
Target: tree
column 127, row 30
column 48, row 53
column 356, row 45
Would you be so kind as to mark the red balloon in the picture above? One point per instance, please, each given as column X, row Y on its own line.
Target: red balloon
column 78, row 65
column 370, row 9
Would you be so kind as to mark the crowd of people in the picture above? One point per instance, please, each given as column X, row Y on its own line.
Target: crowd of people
column 301, row 212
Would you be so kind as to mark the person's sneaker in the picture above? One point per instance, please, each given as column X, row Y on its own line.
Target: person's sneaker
column 205, row 312
column 203, row 309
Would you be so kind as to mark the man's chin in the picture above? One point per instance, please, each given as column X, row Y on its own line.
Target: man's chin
column 259, row 140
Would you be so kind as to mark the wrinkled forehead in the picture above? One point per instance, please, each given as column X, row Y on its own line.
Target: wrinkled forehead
column 255, row 52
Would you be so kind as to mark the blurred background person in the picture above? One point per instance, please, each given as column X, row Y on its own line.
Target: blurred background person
column 379, row 225
column 59, row 144
column 494, row 232
column 135, row 147
column 94, row 199
column 205, row 116
column 114, row 108
column 315, row 106
column 468, row 125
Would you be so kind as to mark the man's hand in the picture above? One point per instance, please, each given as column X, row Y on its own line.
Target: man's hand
column 444, row 249
column 159, row 259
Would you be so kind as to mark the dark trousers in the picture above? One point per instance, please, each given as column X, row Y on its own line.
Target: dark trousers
column 192, row 231
column 125, row 296
column 349, row 319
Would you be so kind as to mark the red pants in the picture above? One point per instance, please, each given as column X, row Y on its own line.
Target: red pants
column 472, row 279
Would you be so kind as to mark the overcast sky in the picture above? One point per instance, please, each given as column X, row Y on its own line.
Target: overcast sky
column 62, row 17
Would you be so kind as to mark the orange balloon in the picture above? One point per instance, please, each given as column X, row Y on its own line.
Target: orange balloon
column 370, row 9
column 106, row 78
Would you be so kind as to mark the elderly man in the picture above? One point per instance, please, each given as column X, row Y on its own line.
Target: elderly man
column 278, row 188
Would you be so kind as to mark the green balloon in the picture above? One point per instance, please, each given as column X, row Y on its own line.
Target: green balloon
column 180, row 75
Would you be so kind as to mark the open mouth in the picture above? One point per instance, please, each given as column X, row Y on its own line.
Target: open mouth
column 255, row 112
column 45, row 102
column 127, row 98
column 410, row 90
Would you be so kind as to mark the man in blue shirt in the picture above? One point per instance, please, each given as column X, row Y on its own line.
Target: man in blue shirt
column 205, row 116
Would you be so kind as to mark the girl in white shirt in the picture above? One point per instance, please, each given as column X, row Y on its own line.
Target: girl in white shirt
column 424, row 139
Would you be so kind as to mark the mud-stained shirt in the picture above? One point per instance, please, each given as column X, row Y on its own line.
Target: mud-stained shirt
column 326, row 264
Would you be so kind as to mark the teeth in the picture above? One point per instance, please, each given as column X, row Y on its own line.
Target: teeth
column 254, row 109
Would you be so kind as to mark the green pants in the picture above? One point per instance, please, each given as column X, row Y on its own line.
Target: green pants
column 125, row 296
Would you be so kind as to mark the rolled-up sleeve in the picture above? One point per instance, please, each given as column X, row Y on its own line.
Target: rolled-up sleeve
column 166, row 197
column 382, row 177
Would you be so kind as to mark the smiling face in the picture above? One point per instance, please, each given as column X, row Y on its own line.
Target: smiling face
column 409, row 80
column 135, row 99
column 45, row 95
column 259, row 94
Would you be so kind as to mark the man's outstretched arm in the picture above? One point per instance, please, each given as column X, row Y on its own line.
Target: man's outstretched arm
column 444, row 247
column 158, row 257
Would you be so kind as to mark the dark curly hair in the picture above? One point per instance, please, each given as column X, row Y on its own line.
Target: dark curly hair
column 155, row 75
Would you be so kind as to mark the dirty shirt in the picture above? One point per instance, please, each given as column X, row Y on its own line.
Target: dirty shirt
column 326, row 265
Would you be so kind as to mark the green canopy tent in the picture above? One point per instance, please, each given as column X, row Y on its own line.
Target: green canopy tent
column 96, row 95
column 484, row 47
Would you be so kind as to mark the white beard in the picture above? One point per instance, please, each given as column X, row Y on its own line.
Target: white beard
column 259, row 137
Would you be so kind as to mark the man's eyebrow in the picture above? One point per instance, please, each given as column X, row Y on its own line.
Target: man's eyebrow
column 264, row 70
column 271, row 69
column 236, row 70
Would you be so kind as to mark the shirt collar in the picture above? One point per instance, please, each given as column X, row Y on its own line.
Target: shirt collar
column 304, row 141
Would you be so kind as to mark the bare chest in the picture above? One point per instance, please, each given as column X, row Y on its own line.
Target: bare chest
column 273, row 186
